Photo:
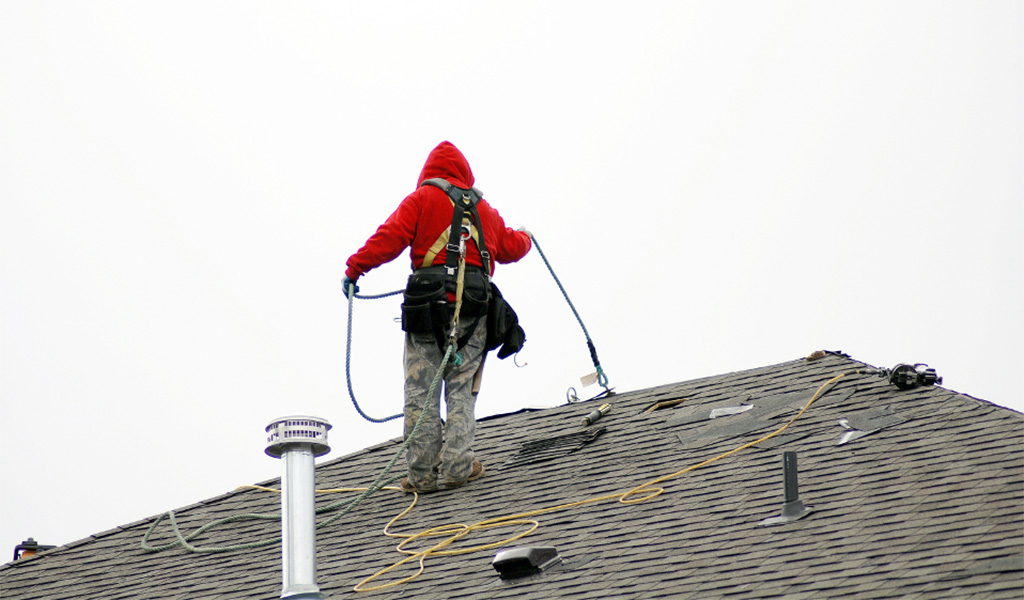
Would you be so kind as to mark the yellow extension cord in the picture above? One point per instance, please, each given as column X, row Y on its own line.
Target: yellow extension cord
column 456, row 531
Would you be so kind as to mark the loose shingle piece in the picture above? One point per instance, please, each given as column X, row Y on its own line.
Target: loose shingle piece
column 926, row 501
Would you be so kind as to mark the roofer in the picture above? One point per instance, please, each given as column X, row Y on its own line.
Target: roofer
column 424, row 222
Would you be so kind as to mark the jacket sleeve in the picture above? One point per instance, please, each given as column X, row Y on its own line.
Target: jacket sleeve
column 510, row 245
column 390, row 239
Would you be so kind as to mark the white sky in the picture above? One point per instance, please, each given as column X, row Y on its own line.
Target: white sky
column 719, row 185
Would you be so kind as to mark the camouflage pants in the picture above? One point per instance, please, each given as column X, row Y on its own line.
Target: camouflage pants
column 424, row 454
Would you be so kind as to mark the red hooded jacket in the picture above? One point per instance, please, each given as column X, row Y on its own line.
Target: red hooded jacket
column 426, row 214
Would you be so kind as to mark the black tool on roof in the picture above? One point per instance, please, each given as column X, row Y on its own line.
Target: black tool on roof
column 906, row 376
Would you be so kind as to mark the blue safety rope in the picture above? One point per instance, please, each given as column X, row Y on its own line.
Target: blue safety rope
column 602, row 379
column 348, row 353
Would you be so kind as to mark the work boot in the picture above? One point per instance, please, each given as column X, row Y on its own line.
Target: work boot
column 409, row 488
column 475, row 473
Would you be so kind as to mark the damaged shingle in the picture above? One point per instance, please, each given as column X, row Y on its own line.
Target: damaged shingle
column 858, row 425
column 723, row 421
column 535, row 451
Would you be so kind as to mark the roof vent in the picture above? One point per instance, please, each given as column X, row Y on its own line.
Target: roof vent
column 283, row 432
column 792, row 508
column 524, row 561
column 297, row 440
column 28, row 548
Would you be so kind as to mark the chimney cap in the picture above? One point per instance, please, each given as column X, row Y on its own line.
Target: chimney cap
column 297, row 429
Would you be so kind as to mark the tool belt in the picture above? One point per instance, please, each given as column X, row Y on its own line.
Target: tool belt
column 426, row 308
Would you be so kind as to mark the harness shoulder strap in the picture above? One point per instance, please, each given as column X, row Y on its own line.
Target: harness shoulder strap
column 464, row 200
column 446, row 187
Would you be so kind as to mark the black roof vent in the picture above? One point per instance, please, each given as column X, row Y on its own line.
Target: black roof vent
column 792, row 508
column 525, row 560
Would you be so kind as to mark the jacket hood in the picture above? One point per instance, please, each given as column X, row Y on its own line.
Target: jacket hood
column 448, row 162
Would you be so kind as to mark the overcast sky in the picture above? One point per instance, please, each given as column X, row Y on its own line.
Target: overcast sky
column 719, row 185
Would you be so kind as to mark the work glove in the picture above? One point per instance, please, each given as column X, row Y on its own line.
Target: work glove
column 349, row 282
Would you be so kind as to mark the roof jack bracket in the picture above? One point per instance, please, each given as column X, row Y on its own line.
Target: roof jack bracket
column 792, row 508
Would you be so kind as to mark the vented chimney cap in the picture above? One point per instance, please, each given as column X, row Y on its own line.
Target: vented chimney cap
column 297, row 430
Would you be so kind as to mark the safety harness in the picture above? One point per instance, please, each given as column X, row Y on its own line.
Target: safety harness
column 426, row 308
column 463, row 201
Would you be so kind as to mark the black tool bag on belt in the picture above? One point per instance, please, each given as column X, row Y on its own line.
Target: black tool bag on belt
column 426, row 308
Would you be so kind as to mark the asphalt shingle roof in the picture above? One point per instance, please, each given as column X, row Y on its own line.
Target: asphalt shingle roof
column 927, row 503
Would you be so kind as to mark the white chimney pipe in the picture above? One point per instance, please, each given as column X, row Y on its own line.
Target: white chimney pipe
column 298, row 440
